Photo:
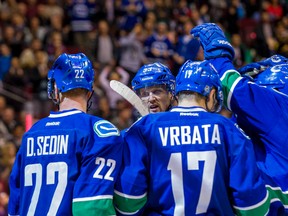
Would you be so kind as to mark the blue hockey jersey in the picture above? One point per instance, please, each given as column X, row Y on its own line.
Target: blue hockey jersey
column 188, row 162
column 67, row 163
column 263, row 114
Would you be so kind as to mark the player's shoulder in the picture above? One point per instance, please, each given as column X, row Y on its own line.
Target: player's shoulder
column 230, row 125
column 223, row 120
column 147, row 120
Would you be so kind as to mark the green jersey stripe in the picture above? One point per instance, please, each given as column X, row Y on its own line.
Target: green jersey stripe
column 229, row 80
column 129, row 204
column 94, row 207
column 277, row 194
column 261, row 208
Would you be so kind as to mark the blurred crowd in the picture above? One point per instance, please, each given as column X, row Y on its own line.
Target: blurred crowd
column 119, row 36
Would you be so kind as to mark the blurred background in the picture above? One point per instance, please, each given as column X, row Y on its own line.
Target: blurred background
column 118, row 36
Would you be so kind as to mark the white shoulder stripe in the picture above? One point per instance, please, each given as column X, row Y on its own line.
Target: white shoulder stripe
column 83, row 199
column 228, row 71
column 57, row 115
column 129, row 196
column 276, row 188
column 254, row 206
column 125, row 213
column 180, row 109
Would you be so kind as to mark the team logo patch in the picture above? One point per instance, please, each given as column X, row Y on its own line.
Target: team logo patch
column 104, row 128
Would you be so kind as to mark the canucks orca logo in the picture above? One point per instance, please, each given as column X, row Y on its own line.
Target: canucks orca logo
column 104, row 128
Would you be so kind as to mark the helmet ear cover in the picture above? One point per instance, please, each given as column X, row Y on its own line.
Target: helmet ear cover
column 52, row 91
column 51, row 88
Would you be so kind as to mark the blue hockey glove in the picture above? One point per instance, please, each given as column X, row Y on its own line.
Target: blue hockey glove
column 251, row 69
column 255, row 68
column 274, row 60
column 213, row 41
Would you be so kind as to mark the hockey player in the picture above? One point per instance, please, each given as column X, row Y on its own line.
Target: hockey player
column 189, row 161
column 155, row 85
column 271, row 73
column 261, row 112
column 68, row 162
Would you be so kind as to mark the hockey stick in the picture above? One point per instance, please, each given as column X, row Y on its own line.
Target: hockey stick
column 130, row 96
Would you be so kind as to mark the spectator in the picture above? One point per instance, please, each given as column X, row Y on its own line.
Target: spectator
column 134, row 12
column 55, row 45
column 105, row 46
column 56, row 24
column 158, row 48
column 9, row 119
column 3, row 103
column 7, row 158
column 275, row 10
column 131, row 51
column 186, row 47
column 15, row 77
column 38, row 78
column 80, row 15
column 123, row 117
column 242, row 54
column 103, row 109
column 281, row 35
column 21, row 29
column 3, row 129
column 98, row 94
column 112, row 73
column 48, row 9
column 36, row 30
column 18, row 133
column 149, row 25
column 5, row 60
column 32, row 10
column 182, row 13
column 264, row 32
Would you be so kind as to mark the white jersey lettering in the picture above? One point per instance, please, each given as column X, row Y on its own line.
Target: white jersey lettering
column 187, row 135
column 47, row 145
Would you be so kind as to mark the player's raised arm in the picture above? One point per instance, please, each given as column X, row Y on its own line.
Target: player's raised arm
column 259, row 106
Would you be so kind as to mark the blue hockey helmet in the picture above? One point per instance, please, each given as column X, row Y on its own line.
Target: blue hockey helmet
column 70, row 71
column 275, row 77
column 200, row 77
column 154, row 74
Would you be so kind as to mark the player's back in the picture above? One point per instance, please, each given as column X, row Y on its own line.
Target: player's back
column 266, row 124
column 195, row 162
column 51, row 158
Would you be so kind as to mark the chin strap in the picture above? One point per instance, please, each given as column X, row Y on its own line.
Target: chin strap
column 89, row 102
column 56, row 101
column 216, row 106
column 171, row 103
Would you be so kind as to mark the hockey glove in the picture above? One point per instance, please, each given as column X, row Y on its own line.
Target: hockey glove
column 255, row 68
column 251, row 69
column 213, row 41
